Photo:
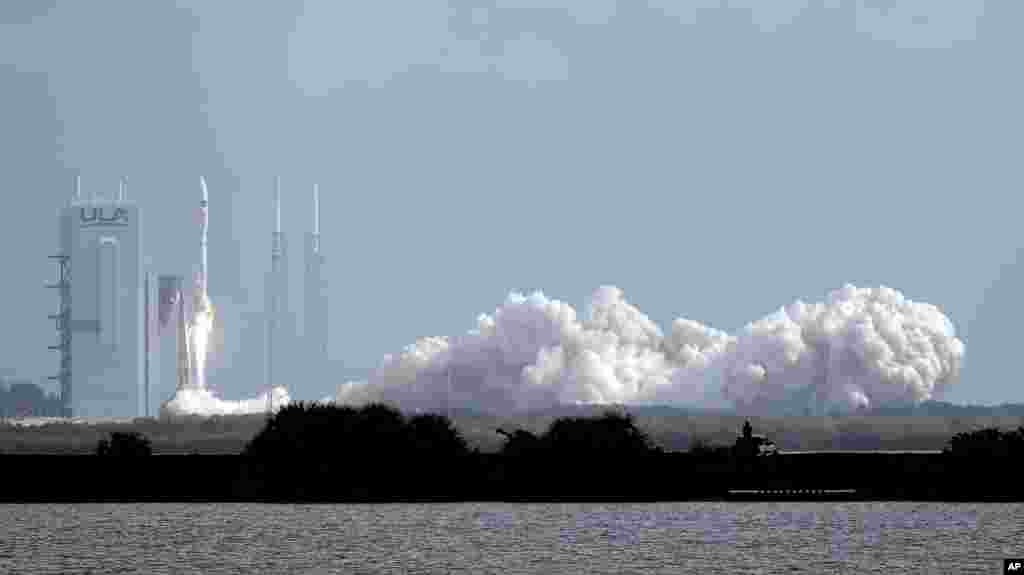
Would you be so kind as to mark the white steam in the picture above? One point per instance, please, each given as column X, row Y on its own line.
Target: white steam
column 859, row 348
column 194, row 397
column 201, row 401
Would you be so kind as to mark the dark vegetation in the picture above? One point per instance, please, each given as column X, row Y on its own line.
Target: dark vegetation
column 314, row 431
column 124, row 444
column 988, row 442
column 607, row 435
column 311, row 452
column 376, row 453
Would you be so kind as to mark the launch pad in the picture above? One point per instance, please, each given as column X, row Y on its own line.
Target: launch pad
column 114, row 312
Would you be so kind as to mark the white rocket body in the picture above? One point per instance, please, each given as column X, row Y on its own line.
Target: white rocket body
column 204, row 226
column 274, row 293
column 200, row 298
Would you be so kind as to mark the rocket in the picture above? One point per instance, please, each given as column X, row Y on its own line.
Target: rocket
column 200, row 300
column 274, row 285
column 204, row 226
column 194, row 337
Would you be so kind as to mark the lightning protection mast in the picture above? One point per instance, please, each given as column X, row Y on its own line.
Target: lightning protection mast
column 315, row 298
column 274, row 287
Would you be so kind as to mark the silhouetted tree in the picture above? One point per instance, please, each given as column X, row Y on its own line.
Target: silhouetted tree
column 123, row 444
column 382, row 431
column 988, row 442
column 370, row 449
column 319, row 431
column 519, row 443
column 585, row 454
column 609, row 433
column 435, row 435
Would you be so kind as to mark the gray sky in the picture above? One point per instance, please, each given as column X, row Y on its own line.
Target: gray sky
column 716, row 160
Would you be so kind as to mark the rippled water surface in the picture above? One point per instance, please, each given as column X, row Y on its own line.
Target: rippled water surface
column 511, row 538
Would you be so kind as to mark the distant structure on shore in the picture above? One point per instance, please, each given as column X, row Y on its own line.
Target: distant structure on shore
column 99, row 320
column 21, row 398
column 315, row 322
column 113, row 313
column 278, row 330
column 749, row 444
column 286, row 352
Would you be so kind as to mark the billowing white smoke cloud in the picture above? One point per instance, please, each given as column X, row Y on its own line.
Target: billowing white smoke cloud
column 201, row 401
column 861, row 347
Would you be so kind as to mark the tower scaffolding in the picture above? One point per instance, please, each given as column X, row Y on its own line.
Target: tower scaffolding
column 63, row 325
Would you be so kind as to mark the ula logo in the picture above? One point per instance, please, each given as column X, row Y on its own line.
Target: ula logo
column 1013, row 566
column 89, row 217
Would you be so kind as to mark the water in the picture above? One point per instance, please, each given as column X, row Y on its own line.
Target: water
column 759, row 537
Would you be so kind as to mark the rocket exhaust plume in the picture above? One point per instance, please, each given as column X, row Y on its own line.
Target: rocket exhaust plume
column 192, row 395
column 861, row 347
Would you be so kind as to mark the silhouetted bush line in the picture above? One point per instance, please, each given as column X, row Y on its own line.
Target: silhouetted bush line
column 988, row 442
column 124, row 444
column 312, row 452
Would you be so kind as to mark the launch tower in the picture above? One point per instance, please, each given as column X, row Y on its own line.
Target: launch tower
column 100, row 239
